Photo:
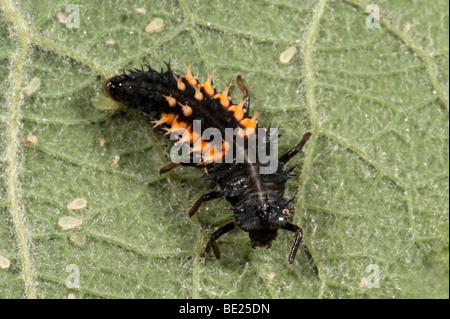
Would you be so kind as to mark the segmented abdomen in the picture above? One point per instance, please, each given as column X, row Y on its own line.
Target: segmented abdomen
column 175, row 102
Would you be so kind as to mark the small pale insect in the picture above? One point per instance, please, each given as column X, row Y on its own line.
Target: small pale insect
column 287, row 55
column 69, row 222
column 77, row 203
column 156, row 25
column 33, row 86
column 4, row 262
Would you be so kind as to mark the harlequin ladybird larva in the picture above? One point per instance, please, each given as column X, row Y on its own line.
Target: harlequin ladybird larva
column 177, row 103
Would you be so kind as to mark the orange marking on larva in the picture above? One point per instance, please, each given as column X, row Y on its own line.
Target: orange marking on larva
column 237, row 110
column 190, row 77
column 218, row 156
column 177, row 127
column 177, row 130
column 212, row 156
column 250, row 124
column 170, row 100
column 240, row 133
column 166, row 118
column 187, row 136
column 207, row 86
column 180, row 124
column 223, row 97
column 187, row 110
column 198, row 94
column 193, row 139
column 180, row 84
column 199, row 146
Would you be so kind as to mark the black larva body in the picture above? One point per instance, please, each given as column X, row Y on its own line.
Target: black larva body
column 174, row 101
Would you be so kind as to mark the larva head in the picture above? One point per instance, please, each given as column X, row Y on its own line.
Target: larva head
column 113, row 87
column 262, row 216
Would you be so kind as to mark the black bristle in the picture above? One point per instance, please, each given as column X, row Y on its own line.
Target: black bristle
column 291, row 169
column 169, row 69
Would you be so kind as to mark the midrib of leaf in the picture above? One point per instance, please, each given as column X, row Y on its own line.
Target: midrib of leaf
column 310, row 83
column 13, row 125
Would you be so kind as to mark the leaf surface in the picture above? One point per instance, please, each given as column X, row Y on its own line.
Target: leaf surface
column 372, row 187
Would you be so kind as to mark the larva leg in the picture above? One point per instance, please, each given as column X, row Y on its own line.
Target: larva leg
column 171, row 166
column 298, row 239
column 291, row 153
column 219, row 233
column 245, row 94
column 202, row 199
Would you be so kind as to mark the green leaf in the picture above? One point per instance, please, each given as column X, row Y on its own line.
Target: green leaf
column 372, row 187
